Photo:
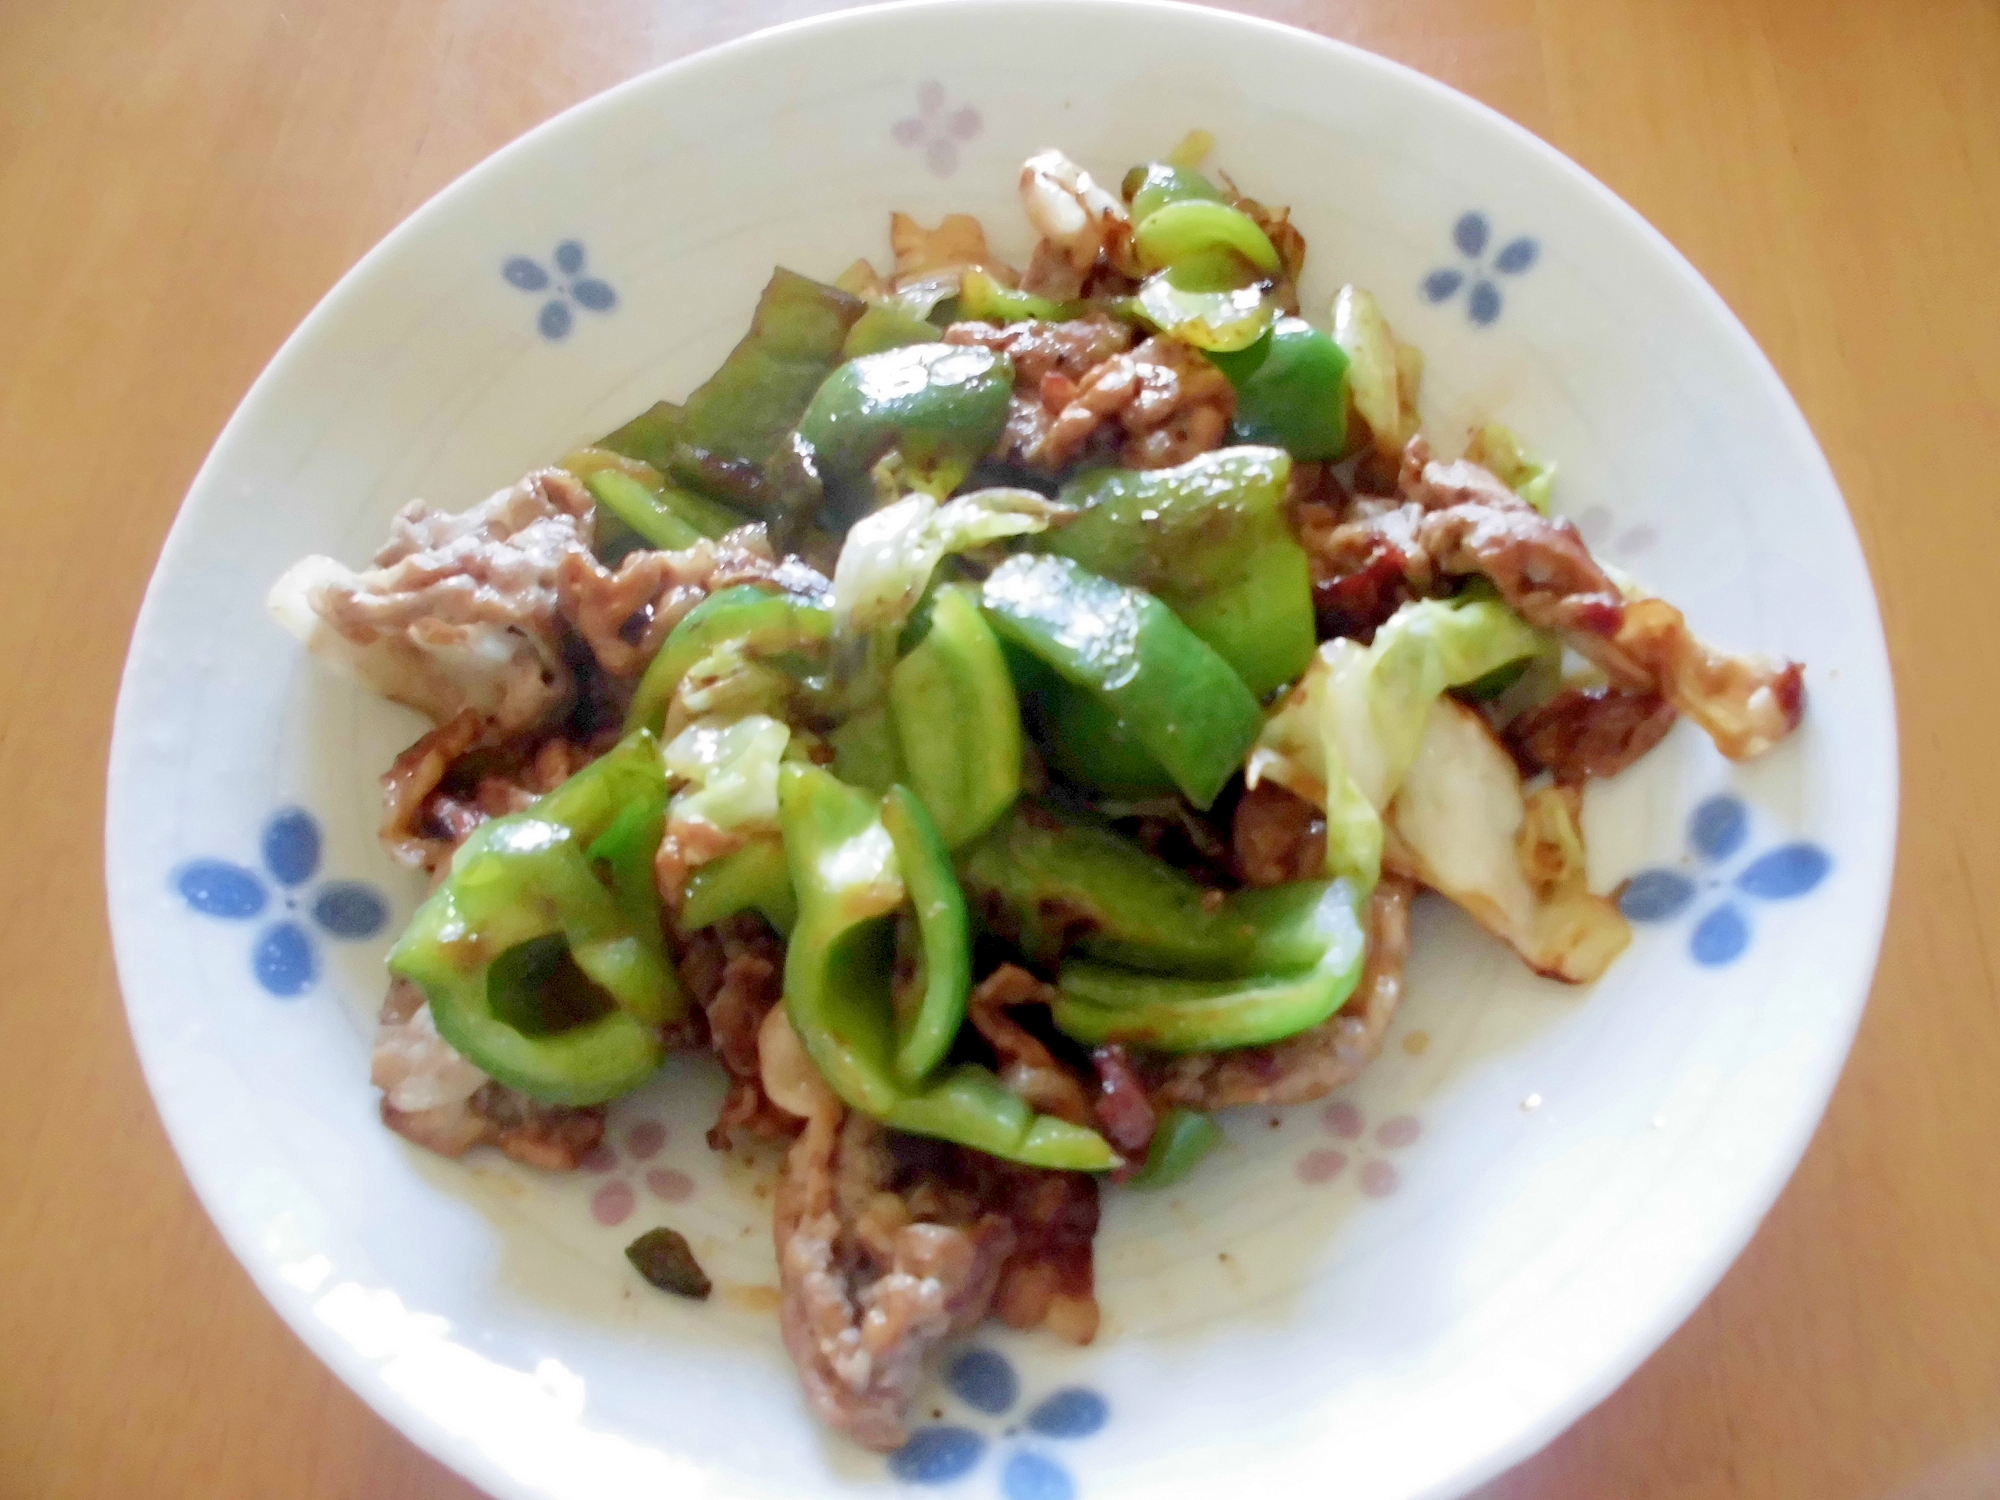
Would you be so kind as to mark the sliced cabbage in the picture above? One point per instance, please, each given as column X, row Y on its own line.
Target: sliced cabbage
column 728, row 773
column 1462, row 826
column 888, row 558
column 1347, row 734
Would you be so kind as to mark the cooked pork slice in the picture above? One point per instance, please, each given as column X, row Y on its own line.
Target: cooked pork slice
column 1585, row 732
column 735, row 970
column 625, row 613
column 1473, row 523
column 458, row 610
column 1026, row 1064
column 869, row 1289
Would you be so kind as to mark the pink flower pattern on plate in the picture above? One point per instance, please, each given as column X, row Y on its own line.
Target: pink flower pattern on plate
column 1344, row 1121
column 613, row 1202
column 935, row 129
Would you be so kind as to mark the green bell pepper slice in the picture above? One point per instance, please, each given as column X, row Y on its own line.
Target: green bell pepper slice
column 762, row 623
column 1054, row 879
column 753, row 878
column 1185, row 230
column 1182, row 1139
column 1291, row 391
column 846, row 870
column 985, row 300
column 925, row 1031
column 1089, row 745
column 886, row 326
column 1156, row 184
column 957, row 720
column 640, row 509
column 1215, row 319
column 866, row 752
column 941, row 406
column 1210, row 539
column 649, row 437
column 626, row 851
column 1098, row 1003
column 740, row 417
column 1185, row 703
column 519, row 879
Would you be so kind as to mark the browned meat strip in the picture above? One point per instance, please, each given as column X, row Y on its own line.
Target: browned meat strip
column 735, row 971
column 870, row 1285
column 435, row 1098
column 1038, row 349
column 408, row 784
column 1366, row 561
column 1026, row 1065
column 1278, row 837
column 1586, row 732
column 1316, row 1062
column 1170, row 402
column 1124, row 1112
column 624, row 615
column 1473, row 523
column 445, row 785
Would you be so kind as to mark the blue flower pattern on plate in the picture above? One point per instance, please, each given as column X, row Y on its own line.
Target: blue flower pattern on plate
column 1717, row 832
column 985, row 1381
column 569, row 285
column 1472, row 234
column 283, row 959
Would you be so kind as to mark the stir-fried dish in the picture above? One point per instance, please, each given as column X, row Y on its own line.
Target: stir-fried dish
column 1004, row 716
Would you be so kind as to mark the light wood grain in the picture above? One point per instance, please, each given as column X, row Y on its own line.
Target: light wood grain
column 181, row 179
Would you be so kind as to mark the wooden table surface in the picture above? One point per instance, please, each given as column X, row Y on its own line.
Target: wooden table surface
column 181, row 179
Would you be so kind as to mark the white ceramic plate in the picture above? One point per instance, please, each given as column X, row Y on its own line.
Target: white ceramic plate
column 1392, row 1296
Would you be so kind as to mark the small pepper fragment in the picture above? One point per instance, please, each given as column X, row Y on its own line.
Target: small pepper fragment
column 886, row 326
column 941, row 406
column 1183, row 1138
column 1185, row 703
column 664, row 1258
column 1210, row 538
column 957, row 719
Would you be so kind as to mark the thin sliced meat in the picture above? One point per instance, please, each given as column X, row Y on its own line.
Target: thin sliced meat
column 408, row 784
column 1277, row 837
column 434, row 1097
column 625, row 614
column 1026, row 1064
column 458, row 611
column 735, row 971
column 1473, row 523
column 868, row 1288
column 1316, row 1062
column 1586, row 732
